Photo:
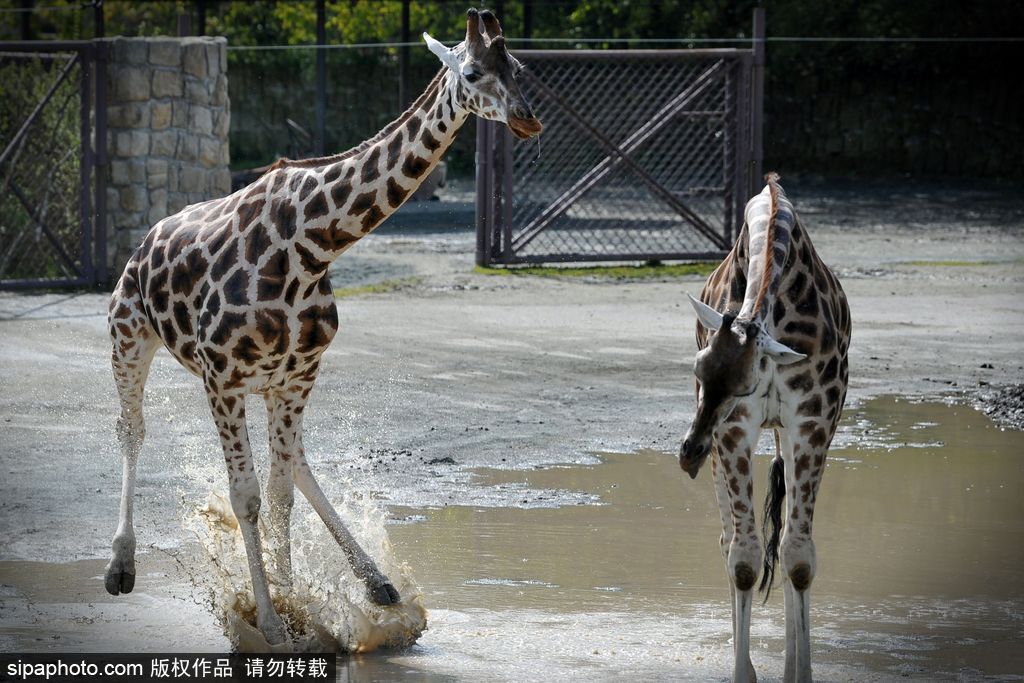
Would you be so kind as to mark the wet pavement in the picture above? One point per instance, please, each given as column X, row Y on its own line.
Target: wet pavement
column 918, row 537
column 517, row 434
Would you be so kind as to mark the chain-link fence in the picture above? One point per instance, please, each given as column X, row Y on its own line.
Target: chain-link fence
column 48, row 199
column 645, row 155
column 269, row 88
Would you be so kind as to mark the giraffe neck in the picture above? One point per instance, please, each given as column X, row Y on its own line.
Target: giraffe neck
column 335, row 201
column 770, row 218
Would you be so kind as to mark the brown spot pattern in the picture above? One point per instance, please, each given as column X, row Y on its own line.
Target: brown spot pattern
column 248, row 213
column 371, row 169
column 396, row 193
column 273, row 328
column 414, row 166
column 317, row 207
column 316, row 327
column 272, row 276
column 340, row 194
column 282, row 214
column 362, row 203
column 394, row 150
column 309, row 261
column 236, row 289
column 372, row 218
column 256, row 243
column 307, row 187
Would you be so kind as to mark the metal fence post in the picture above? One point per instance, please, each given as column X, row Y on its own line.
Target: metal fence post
column 483, row 191
column 494, row 168
column 100, row 217
column 88, row 159
column 507, row 184
column 319, row 143
column 757, row 102
column 403, row 59
column 731, row 158
column 742, row 125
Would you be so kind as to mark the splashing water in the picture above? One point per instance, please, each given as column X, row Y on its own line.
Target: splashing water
column 327, row 608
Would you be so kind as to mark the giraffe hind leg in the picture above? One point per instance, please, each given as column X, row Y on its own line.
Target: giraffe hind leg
column 134, row 344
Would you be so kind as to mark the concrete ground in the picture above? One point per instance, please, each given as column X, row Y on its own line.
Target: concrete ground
column 439, row 370
column 505, row 371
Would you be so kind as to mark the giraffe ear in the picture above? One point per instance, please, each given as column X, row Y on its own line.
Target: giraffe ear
column 780, row 353
column 447, row 56
column 708, row 317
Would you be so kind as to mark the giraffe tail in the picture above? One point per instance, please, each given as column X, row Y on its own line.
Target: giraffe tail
column 772, row 523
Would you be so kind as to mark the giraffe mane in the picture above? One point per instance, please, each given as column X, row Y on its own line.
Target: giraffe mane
column 365, row 144
column 769, row 242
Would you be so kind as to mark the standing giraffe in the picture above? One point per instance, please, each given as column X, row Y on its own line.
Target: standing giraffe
column 774, row 357
column 237, row 289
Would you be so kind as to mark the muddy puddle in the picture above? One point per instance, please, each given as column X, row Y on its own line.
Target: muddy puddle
column 920, row 547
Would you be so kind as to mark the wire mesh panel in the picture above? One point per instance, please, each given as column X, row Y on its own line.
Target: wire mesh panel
column 644, row 155
column 47, row 187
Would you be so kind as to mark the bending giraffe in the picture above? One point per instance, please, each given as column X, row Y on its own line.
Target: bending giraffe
column 237, row 290
column 773, row 332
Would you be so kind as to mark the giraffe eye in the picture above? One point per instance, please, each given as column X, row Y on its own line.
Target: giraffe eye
column 472, row 76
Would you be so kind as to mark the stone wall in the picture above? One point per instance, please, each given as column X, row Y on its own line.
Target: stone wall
column 168, row 115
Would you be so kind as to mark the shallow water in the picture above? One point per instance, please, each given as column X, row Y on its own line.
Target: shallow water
column 919, row 553
column 326, row 608
column 919, row 542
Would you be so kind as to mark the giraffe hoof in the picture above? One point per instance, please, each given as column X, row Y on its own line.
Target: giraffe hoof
column 384, row 594
column 118, row 578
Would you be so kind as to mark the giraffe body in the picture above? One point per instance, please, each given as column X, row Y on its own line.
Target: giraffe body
column 237, row 290
column 774, row 331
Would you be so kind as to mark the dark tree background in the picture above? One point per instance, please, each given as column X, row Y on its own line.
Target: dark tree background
column 897, row 107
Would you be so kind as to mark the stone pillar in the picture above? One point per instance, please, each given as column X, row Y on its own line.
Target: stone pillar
column 167, row 137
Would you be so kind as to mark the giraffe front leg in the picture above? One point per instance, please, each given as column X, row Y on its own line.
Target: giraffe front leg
column 286, row 439
column 725, row 542
column 244, row 489
column 380, row 589
column 280, row 500
column 282, row 429
column 797, row 554
column 734, row 487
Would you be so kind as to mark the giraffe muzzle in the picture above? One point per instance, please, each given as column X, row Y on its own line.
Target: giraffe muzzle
column 526, row 126
column 692, row 455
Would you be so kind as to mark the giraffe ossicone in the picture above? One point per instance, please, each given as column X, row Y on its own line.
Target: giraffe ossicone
column 773, row 332
column 712, row 319
column 237, row 290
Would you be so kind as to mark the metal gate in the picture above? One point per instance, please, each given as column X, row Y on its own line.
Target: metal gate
column 53, row 142
column 645, row 155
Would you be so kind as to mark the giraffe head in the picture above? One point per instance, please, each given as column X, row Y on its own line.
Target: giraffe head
column 727, row 370
column 486, row 74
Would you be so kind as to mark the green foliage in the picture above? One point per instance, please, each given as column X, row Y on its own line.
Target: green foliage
column 830, row 106
column 384, row 287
